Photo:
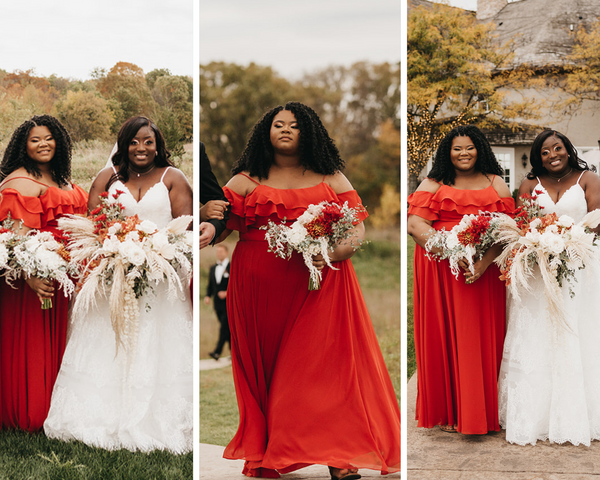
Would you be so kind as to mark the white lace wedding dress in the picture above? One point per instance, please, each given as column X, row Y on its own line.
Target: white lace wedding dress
column 147, row 405
column 549, row 383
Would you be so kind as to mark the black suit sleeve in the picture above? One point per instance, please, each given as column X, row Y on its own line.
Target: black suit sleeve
column 210, row 190
column 211, row 288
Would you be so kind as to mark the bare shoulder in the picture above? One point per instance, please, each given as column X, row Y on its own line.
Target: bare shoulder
column 428, row 185
column 241, row 184
column 338, row 182
column 590, row 179
column 176, row 177
column 501, row 187
column 527, row 185
column 24, row 183
column 103, row 177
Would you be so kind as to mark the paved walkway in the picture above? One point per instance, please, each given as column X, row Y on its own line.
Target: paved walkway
column 433, row 454
column 212, row 364
column 214, row 467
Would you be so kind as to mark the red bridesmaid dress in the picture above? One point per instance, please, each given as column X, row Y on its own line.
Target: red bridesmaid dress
column 459, row 327
column 32, row 340
column 311, row 383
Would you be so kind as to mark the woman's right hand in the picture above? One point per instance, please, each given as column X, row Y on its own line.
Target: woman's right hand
column 213, row 210
column 42, row 288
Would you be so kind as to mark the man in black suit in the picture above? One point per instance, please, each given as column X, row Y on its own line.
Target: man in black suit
column 210, row 191
column 218, row 279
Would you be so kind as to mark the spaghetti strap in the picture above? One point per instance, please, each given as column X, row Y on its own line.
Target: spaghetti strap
column 115, row 170
column 249, row 178
column 27, row 178
column 164, row 173
column 580, row 176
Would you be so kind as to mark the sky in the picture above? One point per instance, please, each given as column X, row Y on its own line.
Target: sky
column 466, row 4
column 70, row 38
column 299, row 37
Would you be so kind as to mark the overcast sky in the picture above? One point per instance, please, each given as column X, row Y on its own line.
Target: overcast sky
column 302, row 36
column 71, row 37
column 466, row 4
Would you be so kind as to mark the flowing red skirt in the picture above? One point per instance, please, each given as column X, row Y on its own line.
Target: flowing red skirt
column 32, row 343
column 311, row 383
column 459, row 336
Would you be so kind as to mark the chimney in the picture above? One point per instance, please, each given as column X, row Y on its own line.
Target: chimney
column 488, row 8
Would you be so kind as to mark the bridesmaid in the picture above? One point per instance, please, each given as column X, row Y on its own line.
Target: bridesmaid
column 36, row 189
column 459, row 324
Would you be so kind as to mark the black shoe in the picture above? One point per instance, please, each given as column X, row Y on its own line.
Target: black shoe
column 348, row 476
column 214, row 355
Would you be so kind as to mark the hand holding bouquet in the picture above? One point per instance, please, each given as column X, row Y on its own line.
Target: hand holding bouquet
column 558, row 245
column 318, row 230
column 122, row 257
column 467, row 240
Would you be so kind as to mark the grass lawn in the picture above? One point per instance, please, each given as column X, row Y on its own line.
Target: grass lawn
column 377, row 266
column 26, row 456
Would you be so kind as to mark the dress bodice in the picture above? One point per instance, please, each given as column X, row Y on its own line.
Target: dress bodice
column 155, row 205
column 446, row 207
column 572, row 202
column 266, row 203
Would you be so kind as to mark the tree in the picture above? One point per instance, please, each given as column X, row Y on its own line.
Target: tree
column 85, row 115
column 458, row 74
column 126, row 85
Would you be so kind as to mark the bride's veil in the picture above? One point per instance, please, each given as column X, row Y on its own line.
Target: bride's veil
column 113, row 151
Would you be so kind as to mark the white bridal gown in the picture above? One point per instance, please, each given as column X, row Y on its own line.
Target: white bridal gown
column 147, row 405
column 549, row 383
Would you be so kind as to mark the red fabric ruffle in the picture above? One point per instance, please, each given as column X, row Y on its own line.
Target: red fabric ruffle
column 267, row 202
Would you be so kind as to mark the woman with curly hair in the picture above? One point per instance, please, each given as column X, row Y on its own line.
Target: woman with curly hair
column 459, row 323
column 311, row 383
column 138, row 397
column 35, row 191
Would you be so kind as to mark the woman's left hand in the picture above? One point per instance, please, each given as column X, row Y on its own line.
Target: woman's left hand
column 319, row 261
column 479, row 267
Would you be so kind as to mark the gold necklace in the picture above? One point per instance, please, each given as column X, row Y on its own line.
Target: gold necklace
column 564, row 176
column 143, row 173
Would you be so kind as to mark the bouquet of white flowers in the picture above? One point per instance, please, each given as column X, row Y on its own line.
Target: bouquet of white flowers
column 122, row 257
column 319, row 229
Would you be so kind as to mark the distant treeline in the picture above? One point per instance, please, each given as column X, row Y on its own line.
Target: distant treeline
column 359, row 105
column 96, row 108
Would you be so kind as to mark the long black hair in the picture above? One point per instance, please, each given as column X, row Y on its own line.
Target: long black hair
column 16, row 156
column 535, row 156
column 121, row 158
column 443, row 170
column 317, row 150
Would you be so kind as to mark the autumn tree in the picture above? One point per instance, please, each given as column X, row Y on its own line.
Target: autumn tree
column 126, row 85
column 85, row 115
column 458, row 74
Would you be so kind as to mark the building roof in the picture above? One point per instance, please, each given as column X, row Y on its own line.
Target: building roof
column 543, row 30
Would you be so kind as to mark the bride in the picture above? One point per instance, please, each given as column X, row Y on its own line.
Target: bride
column 140, row 399
column 549, row 384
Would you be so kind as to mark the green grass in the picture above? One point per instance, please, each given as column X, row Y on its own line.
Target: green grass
column 33, row 456
column 377, row 266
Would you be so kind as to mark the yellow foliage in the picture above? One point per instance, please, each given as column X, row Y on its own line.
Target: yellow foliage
column 387, row 214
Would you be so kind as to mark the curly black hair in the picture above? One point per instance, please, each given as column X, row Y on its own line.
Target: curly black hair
column 317, row 150
column 443, row 170
column 15, row 155
column 121, row 158
column 535, row 156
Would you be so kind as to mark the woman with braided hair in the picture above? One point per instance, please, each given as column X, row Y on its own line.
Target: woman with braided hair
column 459, row 323
column 311, row 383
column 35, row 190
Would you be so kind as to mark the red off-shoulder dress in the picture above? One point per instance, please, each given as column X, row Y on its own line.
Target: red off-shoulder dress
column 32, row 340
column 311, row 383
column 459, row 327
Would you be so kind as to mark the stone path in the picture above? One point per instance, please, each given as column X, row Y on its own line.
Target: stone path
column 433, row 454
column 214, row 467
